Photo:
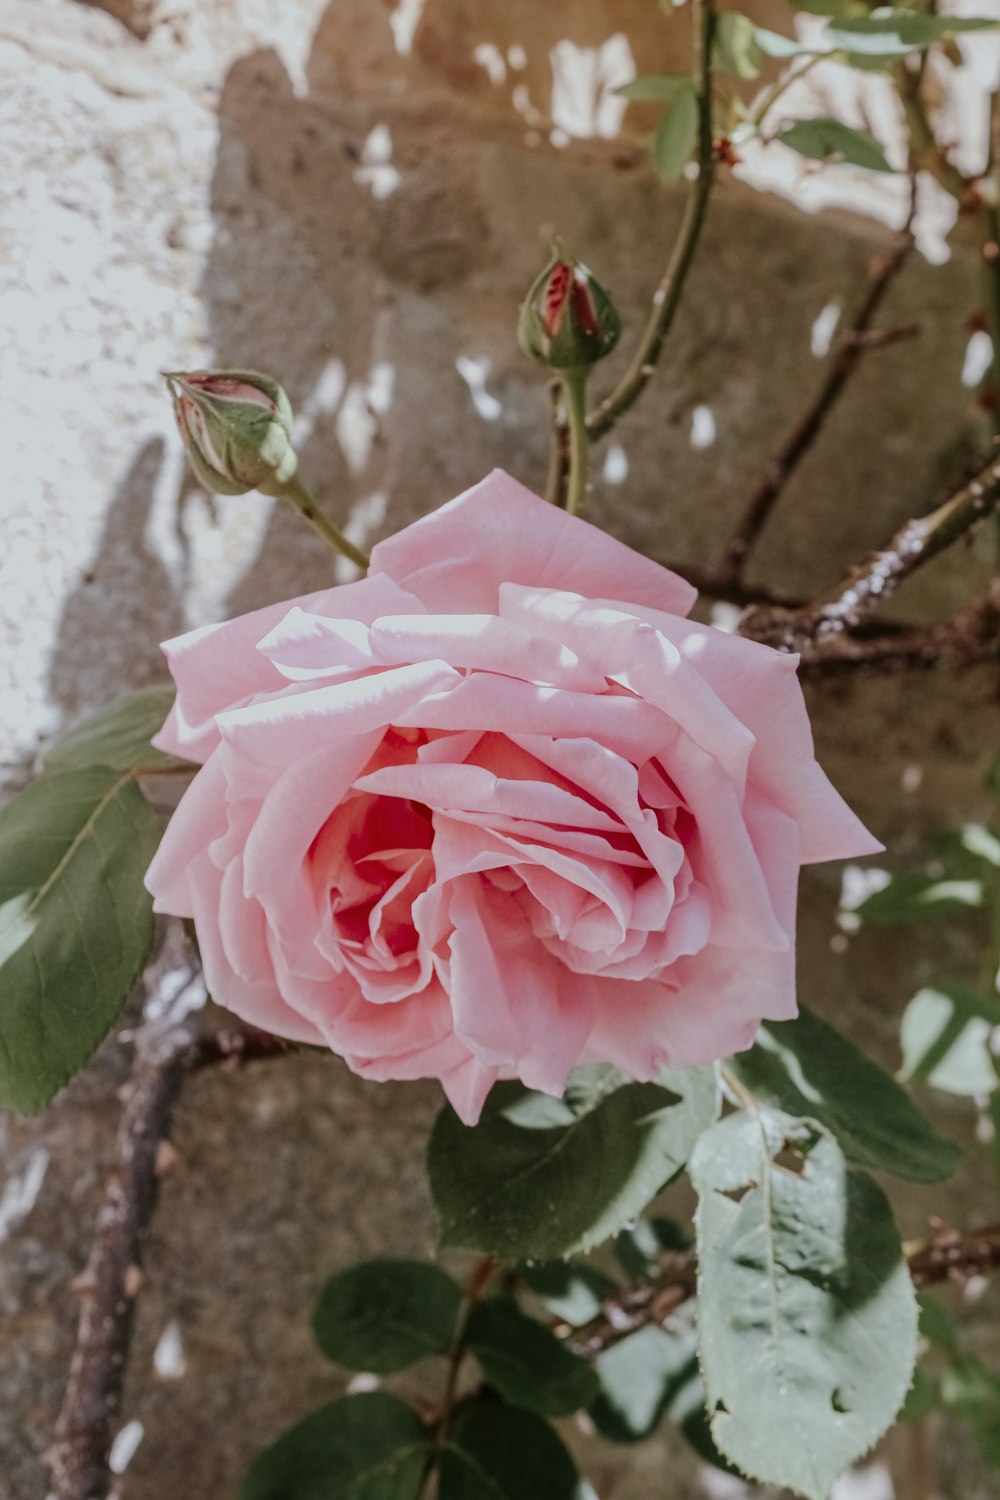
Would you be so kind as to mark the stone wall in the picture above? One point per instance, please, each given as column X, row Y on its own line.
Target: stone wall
column 353, row 196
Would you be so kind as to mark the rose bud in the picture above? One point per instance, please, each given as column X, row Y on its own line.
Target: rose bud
column 237, row 429
column 567, row 320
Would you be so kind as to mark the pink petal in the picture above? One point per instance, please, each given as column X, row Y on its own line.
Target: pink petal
column 219, row 666
column 498, row 532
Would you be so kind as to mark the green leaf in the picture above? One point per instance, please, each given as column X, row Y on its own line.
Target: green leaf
column 569, row 1289
column 652, row 1374
column 807, row 1314
column 676, row 135
column 914, row 896
column 945, row 1036
column 370, row 1447
column 526, row 1363
column 117, row 735
column 901, row 31
column 832, row 7
column 638, row 1248
column 973, row 1392
column 811, row 1071
column 542, row 1191
column 75, row 923
column 497, row 1452
column 980, row 842
column 777, row 45
column 921, row 1399
column 653, row 87
column 639, row 1378
column 737, row 49
column 383, row 1315
column 936, row 1324
column 826, row 139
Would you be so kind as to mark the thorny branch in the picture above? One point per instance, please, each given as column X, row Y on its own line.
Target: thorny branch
column 669, row 289
column 78, row 1458
column 856, row 341
column 820, row 631
column 946, row 1256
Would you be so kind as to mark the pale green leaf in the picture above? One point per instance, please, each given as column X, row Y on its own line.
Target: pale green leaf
column 945, row 1036
column 654, row 87
column 812, row 1071
column 894, row 33
column 571, row 1290
column 676, row 135
column 527, row 1185
column 75, row 923
column 368, row 1447
column 737, row 49
column 639, row 1379
column 825, row 139
column 807, row 1314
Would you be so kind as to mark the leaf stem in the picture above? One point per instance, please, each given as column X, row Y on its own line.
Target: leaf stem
column 667, row 297
column 574, row 384
column 305, row 503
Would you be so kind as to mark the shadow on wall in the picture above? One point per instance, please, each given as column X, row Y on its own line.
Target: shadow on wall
column 123, row 607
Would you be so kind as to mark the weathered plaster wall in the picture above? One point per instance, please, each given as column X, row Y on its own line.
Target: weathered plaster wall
column 281, row 183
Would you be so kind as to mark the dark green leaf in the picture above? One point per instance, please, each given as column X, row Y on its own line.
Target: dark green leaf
column 543, row 1191
column 915, row 896
column 946, row 1039
column 569, row 1289
column 809, row 1070
column 370, row 1447
column 826, row 139
column 902, row 32
column 676, row 135
column 922, row 1398
column 383, row 1315
column 653, row 87
column 526, row 1363
column 936, row 1325
column 117, row 735
column 75, row 923
column 737, row 49
column 638, row 1248
column 807, row 1314
column 498, row 1452
column 973, row 1391
column 981, row 843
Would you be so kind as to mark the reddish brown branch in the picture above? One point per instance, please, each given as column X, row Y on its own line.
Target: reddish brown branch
column 947, row 1256
column 79, row 1455
column 970, row 638
column 857, row 340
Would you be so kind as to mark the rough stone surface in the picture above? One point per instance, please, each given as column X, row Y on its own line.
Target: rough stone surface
column 355, row 202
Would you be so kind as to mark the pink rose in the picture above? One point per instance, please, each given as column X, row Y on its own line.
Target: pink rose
column 496, row 810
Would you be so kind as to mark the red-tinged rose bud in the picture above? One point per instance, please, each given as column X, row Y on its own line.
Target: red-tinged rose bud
column 237, row 429
column 567, row 321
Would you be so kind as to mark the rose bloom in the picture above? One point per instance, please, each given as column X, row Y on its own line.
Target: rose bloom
column 496, row 810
